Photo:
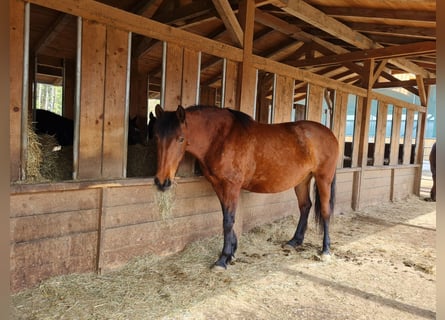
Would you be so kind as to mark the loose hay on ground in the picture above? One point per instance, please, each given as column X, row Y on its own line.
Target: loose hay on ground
column 259, row 284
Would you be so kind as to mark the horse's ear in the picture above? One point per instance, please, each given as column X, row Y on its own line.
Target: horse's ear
column 180, row 113
column 152, row 117
column 158, row 110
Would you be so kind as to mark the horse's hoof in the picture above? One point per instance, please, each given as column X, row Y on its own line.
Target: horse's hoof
column 287, row 247
column 326, row 257
column 218, row 268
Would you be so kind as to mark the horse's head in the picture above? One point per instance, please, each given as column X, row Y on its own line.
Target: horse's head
column 150, row 126
column 171, row 143
column 137, row 130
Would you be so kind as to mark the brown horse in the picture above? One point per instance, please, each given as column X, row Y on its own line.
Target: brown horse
column 235, row 152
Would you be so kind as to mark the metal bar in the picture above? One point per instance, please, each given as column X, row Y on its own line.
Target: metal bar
column 127, row 107
column 164, row 66
column 255, row 95
column 77, row 99
column 25, row 90
column 223, row 83
column 198, row 79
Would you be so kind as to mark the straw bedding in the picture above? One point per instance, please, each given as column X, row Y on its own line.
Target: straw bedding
column 377, row 263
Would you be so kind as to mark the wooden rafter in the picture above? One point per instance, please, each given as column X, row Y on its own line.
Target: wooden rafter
column 381, row 53
column 52, row 32
column 229, row 19
column 317, row 18
column 409, row 15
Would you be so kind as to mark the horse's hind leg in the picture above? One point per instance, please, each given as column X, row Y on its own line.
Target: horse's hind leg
column 304, row 204
column 324, row 206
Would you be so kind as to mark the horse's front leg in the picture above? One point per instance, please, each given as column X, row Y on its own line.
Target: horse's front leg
column 230, row 240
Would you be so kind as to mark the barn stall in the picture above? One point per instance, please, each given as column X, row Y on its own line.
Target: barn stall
column 274, row 60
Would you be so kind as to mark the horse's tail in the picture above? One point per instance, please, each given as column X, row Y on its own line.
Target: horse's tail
column 317, row 207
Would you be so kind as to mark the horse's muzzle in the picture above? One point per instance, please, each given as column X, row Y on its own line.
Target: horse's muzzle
column 163, row 186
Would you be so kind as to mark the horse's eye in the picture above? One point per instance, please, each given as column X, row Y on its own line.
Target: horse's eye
column 180, row 139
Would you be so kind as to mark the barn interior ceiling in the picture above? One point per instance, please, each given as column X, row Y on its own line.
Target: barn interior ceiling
column 330, row 38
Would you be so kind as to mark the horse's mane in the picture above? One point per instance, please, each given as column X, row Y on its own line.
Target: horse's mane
column 244, row 119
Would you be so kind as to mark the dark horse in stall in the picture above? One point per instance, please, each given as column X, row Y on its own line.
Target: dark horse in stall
column 432, row 159
column 235, row 152
column 47, row 122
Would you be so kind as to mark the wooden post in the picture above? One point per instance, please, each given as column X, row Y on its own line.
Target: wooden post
column 284, row 98
column 315, row 103
column 395, row 135
column 363, row 116
column 357, row 128
column 408, row 136
column 231, row 83
column 190, row 77
column 92, row 100
column 247, row 85
column 173, row 77
column 114, row 106
column 379, row 145
column 263, row 100
column 16, row 59
column 339, row 123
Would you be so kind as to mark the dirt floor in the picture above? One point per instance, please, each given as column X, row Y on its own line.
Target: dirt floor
column 383, row 267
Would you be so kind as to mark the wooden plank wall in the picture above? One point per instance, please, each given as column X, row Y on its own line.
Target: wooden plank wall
column 52, row 233
column 403, row 182
column 376, row 186
column 73, row 228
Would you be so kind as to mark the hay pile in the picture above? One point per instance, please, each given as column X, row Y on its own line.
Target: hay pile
column 34, row 156
column 141, row 160
column 46, row 161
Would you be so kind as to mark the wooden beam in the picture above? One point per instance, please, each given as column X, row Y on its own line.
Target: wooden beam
column 229, row 19
column 52, row 32
column 378, row 71
column 397, row 14
column 293, row 31
column 403, row 83
column 94, row 10
column 317, row 18
column 422, row 92
column 149, row 8
column 381, row 53
column 398, row 31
